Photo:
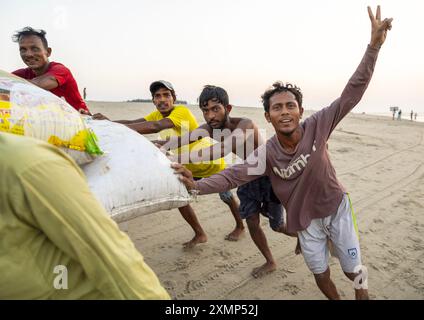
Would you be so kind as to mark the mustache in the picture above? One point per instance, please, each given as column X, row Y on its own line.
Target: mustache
column 215, row 123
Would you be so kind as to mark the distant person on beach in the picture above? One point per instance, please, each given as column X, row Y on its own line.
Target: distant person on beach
column 85, row 93
column 57, row 241
column 297, row 162
column 175, row 120
column 238, row 136
column 399, row 117
column 51, row 76
column 416, row 115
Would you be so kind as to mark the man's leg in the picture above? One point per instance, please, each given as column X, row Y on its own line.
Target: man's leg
column 315, row 251
column 199, row 235
column 345, row 239
column 326, row 285
column 360, row 294
column 258, row 237
column 250, row 206
column 228, row 198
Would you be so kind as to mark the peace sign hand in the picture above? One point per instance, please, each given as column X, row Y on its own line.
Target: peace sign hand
column 378, row 28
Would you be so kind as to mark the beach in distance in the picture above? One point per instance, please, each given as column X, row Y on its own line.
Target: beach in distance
column 379, row 161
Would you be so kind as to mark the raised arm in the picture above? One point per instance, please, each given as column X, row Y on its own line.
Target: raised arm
column 359, row 81
column 378, row 28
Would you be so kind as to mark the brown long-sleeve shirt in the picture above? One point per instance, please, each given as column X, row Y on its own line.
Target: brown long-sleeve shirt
column 305, row 181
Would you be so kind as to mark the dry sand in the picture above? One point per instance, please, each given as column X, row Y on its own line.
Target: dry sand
column 379, row 161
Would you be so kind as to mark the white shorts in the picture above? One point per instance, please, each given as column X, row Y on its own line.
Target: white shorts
column 342, row 230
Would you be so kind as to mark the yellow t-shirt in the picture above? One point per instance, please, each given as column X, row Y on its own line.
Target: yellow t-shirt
column 51, row 222
column 185, row 122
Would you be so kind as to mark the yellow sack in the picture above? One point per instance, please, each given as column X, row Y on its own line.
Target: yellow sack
column 28, row 110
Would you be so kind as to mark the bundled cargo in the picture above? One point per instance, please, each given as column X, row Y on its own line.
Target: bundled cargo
column 28, row 110
column 133, row 177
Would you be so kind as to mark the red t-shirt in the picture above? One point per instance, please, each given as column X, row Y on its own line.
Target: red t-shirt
column 67, row 87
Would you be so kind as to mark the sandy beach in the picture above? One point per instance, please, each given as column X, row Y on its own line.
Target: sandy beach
column 378, row 160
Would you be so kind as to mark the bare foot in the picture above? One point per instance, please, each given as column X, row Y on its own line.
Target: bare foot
column 235, row 234
column 264, row 269
column 196, row 240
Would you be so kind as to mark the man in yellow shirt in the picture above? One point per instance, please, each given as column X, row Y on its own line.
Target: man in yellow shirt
column 175, row 120
column 56, row 240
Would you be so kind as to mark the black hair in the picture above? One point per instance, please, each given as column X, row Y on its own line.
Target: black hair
column 278, row 87
column 159, row 86
column 28, row 31
column 213, row 93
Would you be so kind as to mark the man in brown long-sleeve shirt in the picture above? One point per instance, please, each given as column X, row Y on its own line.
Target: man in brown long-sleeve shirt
column 297, row 163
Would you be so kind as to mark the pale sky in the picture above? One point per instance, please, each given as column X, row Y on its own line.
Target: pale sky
column 117, row 48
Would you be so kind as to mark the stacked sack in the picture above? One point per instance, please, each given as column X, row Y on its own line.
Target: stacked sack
column 30, row 111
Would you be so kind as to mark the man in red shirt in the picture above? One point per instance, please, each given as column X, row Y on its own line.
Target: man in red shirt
column 51, row 76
